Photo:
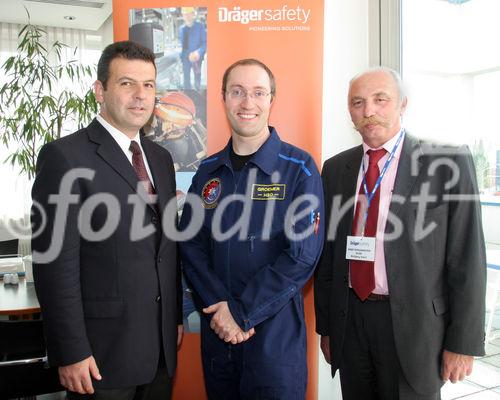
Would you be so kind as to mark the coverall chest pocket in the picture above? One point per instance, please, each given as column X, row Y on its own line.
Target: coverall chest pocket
column 264, row 249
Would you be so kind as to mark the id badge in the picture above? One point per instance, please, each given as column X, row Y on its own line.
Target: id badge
column 360, row 248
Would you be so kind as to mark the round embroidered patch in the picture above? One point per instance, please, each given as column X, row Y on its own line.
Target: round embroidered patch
column 211, row 192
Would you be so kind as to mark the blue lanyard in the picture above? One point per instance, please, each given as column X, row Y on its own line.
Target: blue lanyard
column 369, row 197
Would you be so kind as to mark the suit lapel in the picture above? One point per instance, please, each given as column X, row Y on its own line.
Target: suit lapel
column 113, row 155
column 346, row 188
column 405, row 178
column 164, row 185
column 407, row 174
column 350, row 178
column 159, row 171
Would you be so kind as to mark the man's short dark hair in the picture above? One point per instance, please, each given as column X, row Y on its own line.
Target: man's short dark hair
column 125, row 49
column 249, row 61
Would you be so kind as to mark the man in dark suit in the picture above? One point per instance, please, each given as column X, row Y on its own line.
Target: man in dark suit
column 400, row 288
column 106, row 276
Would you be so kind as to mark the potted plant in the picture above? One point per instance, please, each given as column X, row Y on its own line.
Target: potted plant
column 43, row 93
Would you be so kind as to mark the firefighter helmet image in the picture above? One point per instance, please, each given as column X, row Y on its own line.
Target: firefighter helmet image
column 177, row 128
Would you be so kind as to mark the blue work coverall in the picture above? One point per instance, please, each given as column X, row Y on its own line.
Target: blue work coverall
column 261, row 279
column 192, row 38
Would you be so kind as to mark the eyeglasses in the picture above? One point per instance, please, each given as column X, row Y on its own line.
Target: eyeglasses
column 240, row 94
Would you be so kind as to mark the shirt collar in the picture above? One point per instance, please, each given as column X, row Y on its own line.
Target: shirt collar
column 266, row 157
column 388, row 146
column 122, row 139
column 263, row 158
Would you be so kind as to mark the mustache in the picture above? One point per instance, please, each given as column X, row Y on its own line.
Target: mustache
column 373, row 120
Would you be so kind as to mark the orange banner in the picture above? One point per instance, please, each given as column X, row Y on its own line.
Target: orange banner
column 285, row 35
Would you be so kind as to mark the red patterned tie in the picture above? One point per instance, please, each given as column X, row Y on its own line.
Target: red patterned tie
column 140, row 168
column 362, row 272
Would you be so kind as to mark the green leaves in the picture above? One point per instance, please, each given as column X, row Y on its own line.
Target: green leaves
column 43, row 93
column 483, row 169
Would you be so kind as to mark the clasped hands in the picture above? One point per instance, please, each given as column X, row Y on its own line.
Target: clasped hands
column 224, row 324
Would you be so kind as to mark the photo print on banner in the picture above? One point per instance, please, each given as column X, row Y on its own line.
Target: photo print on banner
column 178, row 38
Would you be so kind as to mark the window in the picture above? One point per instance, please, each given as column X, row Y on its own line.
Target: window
column 15, row 201
column 452, row 71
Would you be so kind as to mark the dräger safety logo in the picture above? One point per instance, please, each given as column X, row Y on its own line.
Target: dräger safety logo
column 279, row 14
column 268, row 192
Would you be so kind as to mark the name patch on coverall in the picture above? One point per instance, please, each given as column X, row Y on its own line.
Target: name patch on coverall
column 268, row 192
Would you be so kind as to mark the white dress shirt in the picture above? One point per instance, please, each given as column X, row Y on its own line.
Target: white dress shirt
column 386, row 188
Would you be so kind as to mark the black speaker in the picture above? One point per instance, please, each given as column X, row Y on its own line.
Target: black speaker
column 150, row 35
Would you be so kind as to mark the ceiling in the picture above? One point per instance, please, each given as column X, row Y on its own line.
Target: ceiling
column 89, row 14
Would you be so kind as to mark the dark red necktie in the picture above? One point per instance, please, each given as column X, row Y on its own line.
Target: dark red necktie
column 140, row 168
column 362, row 272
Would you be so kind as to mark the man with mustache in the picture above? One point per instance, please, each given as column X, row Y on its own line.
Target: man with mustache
column 111, row 303
column 399, row 291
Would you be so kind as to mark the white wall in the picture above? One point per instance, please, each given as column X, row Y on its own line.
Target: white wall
column 346, row 52
column 106, row 31
column 491, row 223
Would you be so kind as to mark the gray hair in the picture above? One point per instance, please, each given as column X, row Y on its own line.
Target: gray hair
column 389, row 71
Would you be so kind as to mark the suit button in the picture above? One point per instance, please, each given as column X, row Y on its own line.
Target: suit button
column 343, row 313
column 345, row 278
column 154, row 220
column 158, row 298
column 160, row 259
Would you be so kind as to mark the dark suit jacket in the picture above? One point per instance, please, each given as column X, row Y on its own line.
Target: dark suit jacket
column 436, row 281
column 115, row 298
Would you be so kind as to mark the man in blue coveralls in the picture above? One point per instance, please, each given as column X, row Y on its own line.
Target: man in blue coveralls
column 261, row 201
column 193, row 38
